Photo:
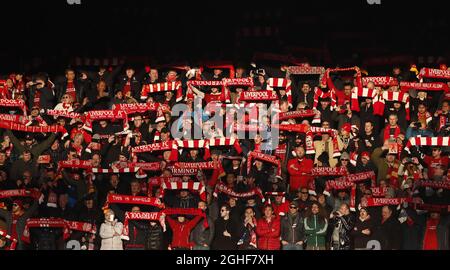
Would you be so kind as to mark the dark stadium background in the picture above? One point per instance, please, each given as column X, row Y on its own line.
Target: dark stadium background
column 48, row 35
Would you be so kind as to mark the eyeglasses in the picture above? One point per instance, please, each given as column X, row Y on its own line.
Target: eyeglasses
column 293, row 207
column 15, row 204
column 304, row 192
column 344, row 160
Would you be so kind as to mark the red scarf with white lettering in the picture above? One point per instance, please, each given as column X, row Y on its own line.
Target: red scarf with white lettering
column 434, row 73
column 126, row 199
column 406, row 86
column 34, row 129
column 33, row 193
column 222, row 188
column 150, row 216
column 91, row 116
column 384, row 81
column 264, row 157
column 45, row 223
column 14, row 103
column 432, row 184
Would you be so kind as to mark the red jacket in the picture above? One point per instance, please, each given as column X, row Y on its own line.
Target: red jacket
column 268, row 233
column 297, row 177
column 282, row 208
column 181, row 232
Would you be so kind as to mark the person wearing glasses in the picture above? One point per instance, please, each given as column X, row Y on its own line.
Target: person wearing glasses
column 303, row 201
column 65, row 104
column 292, row 229
column 342, row 224
column 247, row 231
column 225, row 236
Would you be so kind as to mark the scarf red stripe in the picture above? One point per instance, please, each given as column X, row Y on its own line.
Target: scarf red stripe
column 14, row 103
column 282, row 83
column 192, row 186
column 222, row 188
column 427, row 141
column 432, row 184
column 162, row 87
column 10, row 238
column 384, row 81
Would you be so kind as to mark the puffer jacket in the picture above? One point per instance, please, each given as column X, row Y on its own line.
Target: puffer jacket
column 109, row 241
column 345, row 226
column 268, row 233
column 154, row 237
column 315, row 231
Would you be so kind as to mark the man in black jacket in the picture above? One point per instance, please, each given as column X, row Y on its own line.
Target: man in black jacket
column 202, row 237
column 71, row 86
column 39, row 94
column 130, row 84
column 388, row 230
column 292, row 230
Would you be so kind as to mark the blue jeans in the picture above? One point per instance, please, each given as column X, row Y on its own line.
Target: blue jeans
column 292, row 247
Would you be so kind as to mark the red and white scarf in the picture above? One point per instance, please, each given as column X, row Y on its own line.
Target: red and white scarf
column 222, row 188
column 63, row 113
column 203, row 144
column 432, row 184
column 104, row 115
column 10, row 238
column 373, row 202
column 427, row 141
column 329, row 171
column 364, row 92
column 187, row 212
column 150, row 216
column 33, row 129
column 281, row 83
column 45, row 223
column 264, row 157
column 384, row 81
column 318, row 93
column 140, row 107
column 305, row 70
column 379, row 103
column 434, row 74
column 33, row 193
column 127, row 199
column 14, row 103
column 224, row 94
column 358, row 177
column 14, row 119
column 300, row 114
column 260, row 95
column 192, row 186
column 162, row 87
column 157, row 181
column 406, row 86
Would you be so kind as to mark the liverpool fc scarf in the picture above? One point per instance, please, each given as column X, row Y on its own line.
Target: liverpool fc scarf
column 305, row 70
column 187, row 212
column 299, row 114
column 434, row 74
column 150, row 216
column 33, row 193
column 385, row 81
column 379, row 103
column 14, row 103
column 432, row 184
